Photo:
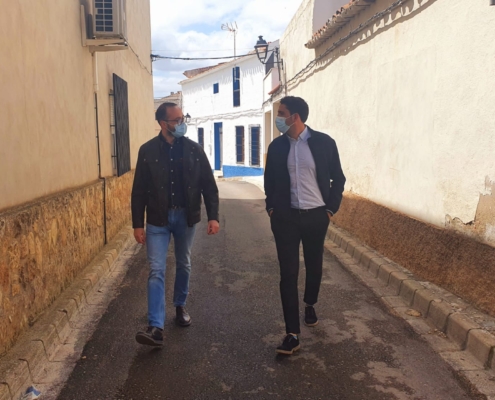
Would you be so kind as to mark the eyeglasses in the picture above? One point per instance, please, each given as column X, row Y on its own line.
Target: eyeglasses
column 179, row 121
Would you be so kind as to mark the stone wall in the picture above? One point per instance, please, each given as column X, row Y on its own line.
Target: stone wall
column 118, row 200
column 452, row 260
column 45, row 244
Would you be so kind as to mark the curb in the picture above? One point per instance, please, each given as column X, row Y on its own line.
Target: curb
column 37, row 346
column 471, row 330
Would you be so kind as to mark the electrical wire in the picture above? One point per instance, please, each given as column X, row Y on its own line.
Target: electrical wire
column 198, row 51
column 157, row 57
column 139, row 59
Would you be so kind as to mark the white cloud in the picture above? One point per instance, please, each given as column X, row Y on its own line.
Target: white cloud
column 191, row 28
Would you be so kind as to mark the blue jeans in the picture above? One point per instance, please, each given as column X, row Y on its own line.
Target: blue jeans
column 157, row 241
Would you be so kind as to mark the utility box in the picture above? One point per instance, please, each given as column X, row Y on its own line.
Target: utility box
column 109, row 19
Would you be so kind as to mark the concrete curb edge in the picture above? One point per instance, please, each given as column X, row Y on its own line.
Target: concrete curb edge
column 470, row 329
column 24, row 361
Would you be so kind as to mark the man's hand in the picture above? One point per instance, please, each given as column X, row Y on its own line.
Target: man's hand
column 271, row 212
column 329, row 216
column 213, row 227
column 139, row 235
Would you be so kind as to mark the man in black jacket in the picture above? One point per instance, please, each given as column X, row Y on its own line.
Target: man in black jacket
column 172, row 174
column 304, row 183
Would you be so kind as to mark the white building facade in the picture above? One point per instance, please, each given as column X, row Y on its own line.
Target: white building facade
column 225, row 104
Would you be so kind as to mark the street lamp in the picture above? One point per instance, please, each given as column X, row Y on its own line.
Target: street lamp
column 261, row 48
column 187, row 118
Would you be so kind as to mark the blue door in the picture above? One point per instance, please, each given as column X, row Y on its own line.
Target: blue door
column 218, row 146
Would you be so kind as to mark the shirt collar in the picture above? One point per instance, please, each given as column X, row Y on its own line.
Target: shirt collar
column 304, row 136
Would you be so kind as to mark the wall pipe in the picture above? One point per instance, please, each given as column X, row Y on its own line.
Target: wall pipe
column 100, row 177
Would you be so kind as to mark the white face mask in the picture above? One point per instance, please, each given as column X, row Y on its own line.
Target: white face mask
column 281, row 125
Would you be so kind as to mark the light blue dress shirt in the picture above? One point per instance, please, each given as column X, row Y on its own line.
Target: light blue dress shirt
column 304, row 191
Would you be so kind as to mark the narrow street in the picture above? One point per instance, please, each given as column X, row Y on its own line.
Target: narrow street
column 358, row 351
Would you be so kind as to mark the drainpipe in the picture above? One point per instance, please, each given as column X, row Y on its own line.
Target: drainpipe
column 96, row 88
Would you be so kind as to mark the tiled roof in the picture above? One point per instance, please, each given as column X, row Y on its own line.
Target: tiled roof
column 194, row 72
column 338, row 20
column 274, row 90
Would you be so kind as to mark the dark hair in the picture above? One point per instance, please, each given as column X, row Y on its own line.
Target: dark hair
column 161, row 112
column 296, row 105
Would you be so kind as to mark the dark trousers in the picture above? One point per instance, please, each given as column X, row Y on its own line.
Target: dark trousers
column 289, row 229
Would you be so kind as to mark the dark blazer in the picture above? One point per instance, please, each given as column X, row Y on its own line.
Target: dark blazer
column 151, row 184
column 329, row 173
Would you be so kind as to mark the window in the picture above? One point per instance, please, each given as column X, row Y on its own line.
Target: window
column 121, row 122
column 215, row 88
column 201, row 137
column 239, row 144
column 236, row 78
column 255, row 146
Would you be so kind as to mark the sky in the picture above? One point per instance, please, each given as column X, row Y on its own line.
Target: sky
column 192, row 28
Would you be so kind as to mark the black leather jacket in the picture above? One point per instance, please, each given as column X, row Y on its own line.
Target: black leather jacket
column 329, row 173
column 151, row 184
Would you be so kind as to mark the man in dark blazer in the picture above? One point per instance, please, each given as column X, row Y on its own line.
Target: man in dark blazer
column 304, row 183
column 172, row 174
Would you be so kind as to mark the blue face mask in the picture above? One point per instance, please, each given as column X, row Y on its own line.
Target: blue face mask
column 180, row 130
column 281, row 125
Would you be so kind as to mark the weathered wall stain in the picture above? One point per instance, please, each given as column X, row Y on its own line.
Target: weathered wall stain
column 452, row 260
column 483, row 226
column 45, row 244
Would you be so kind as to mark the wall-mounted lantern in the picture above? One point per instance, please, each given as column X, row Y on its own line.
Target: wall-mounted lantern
column 261, row 48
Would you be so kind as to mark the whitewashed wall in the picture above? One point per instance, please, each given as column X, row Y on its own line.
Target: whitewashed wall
column 206, row 108
column 410, row 104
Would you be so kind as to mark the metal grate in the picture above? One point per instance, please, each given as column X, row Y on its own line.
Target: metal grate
column 255, row 144
column 112, row 131
column 201, row 137
column 104, row 16
column 121, row 110
column 236, row 80
column 239, row 144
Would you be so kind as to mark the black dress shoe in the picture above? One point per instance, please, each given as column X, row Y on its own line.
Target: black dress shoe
column 289, row 345
column 152, row 337
column 182, row 318
column 310, row 318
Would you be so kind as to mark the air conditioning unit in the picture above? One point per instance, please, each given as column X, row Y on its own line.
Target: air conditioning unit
column 109, row 19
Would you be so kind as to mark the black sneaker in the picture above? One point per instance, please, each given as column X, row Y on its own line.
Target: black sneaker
column 310, row 318
column 152, row 337
column 289, row 345
column 182, row 318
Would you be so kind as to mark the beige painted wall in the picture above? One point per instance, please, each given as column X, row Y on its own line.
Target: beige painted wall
column 410, row 103
column 47, row 118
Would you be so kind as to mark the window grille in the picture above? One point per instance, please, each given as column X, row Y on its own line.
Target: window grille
column 121, row 111
column 236, row 77
column 201, row 137
column 255, row 146
column 239, row 144
column 112, row 132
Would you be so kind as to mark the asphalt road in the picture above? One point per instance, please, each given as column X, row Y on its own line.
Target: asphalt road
column 358, row 351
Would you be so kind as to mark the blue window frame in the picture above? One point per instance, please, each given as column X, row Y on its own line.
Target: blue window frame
column 255, row 146
column 201, row 137
column 215, row 88
column 236, row 78
column 239, row 144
